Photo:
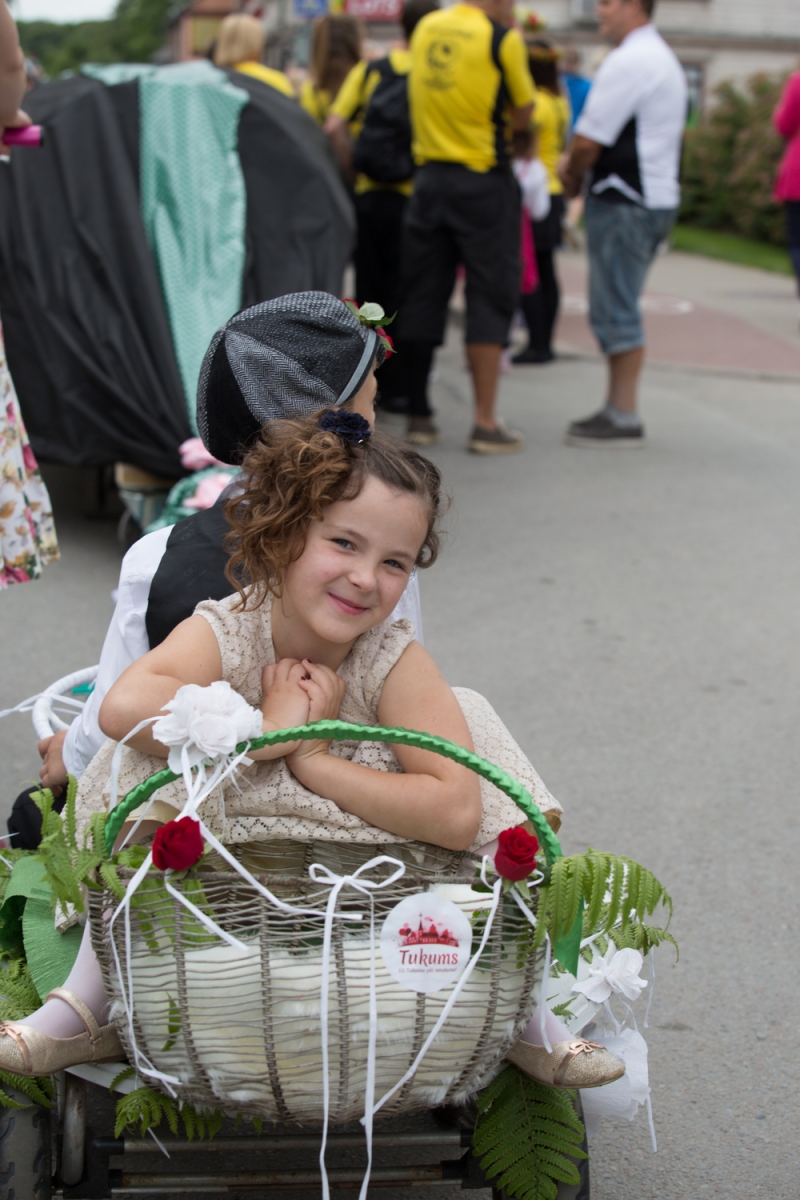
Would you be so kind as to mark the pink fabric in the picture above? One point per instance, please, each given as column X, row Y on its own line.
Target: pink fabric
column 530, row 273
column 195, row 457
column 208, row 491
column 786, row 120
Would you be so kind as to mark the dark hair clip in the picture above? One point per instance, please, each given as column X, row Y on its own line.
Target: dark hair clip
column 351, row 427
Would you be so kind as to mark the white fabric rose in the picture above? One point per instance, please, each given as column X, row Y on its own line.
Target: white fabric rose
column 616, row 972
column 371, row 312
column 210, row 721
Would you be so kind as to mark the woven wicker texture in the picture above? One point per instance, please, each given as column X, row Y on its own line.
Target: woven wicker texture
column 243, row 1031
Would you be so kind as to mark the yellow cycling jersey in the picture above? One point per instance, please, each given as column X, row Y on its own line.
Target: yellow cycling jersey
column 316, row 101
column 351, row 105
column 466, row 70
column 551, row 120
column 268, row 75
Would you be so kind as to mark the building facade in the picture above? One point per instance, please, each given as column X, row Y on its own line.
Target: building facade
column 716, row 40
column 195, row 24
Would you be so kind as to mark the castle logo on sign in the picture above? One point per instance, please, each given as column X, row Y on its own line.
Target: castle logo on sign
column 426, row 942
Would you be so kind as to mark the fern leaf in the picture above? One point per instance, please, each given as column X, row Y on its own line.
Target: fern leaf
column 211, row 1123
column 95, row 835
column 616, row 883
column 173, row 1025
column 126, row 1073
column 573, row 896
column 632, row 874
column 519, row 1184
column 70, row 827
column 597, row 878
column 491, row 1092
column 528, row 1135
column 109, row 876
column 5, row 1100
column 38, row 1090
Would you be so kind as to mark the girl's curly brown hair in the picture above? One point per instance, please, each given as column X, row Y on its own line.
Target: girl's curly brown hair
column 296, row 470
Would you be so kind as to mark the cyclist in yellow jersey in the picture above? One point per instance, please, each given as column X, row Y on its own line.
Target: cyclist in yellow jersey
column 469, row 87
column 240, row 46
column 380, row 205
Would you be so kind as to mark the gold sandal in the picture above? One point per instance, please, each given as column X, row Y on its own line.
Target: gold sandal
column 575, row 1064
column 28, row 1051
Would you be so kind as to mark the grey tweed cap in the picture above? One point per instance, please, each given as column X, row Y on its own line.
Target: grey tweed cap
column 284, row 358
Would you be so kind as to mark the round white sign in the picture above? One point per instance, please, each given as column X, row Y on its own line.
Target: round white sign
column 426, row 942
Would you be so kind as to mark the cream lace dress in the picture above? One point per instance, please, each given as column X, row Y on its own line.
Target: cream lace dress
column 266, row 802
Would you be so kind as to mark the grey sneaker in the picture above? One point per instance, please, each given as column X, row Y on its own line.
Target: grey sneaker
column 495, row 441
column 600, row 430
column 422, row 431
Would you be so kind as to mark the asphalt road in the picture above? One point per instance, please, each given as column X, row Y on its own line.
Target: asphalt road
column 633, row 617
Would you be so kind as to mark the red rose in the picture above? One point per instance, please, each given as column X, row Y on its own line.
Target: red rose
column 177, row 845
column 515, row 856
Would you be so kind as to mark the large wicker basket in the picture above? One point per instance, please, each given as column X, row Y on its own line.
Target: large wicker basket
column 242, row 1031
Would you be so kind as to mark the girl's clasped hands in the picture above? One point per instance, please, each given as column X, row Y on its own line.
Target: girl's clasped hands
column 298, row 693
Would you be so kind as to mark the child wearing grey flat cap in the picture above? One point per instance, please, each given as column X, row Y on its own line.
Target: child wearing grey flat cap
column 289, row 357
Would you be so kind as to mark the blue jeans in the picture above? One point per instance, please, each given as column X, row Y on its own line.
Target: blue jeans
column 622, row 240
column 792, row 211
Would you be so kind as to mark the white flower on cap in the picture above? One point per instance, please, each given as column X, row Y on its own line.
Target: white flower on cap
column 371, row 312
column 209, row 721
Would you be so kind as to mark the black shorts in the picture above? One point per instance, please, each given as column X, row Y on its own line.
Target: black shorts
column 547, row 233
column 460, row 216
column 379, row 216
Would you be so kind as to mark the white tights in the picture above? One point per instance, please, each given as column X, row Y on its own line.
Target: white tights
column 556, row 1030
column 57, row 1018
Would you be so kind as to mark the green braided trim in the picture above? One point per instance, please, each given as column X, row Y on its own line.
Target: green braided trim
column 340, row 731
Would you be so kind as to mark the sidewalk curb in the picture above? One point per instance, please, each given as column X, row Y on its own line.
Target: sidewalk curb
column 687, row 368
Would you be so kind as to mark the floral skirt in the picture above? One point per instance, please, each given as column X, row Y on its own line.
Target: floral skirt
column 27, row 531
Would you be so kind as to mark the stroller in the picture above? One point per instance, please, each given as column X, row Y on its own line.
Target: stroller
column 249, row 1034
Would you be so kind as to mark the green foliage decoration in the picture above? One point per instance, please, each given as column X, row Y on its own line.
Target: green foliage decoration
column 145, row 1108
column 18, row 997
column 70, row 866
column 527, row 1136
column 730, row 159
column 617, row 894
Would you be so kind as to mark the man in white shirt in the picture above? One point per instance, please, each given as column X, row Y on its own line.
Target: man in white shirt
column 629, row 137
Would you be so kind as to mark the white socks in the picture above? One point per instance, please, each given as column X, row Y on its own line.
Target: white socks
column 622, row 420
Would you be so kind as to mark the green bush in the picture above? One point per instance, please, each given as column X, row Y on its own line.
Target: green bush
column 730, row 160
column 133, row 34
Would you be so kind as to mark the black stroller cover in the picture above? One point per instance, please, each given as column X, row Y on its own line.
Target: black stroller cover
column 84, row 318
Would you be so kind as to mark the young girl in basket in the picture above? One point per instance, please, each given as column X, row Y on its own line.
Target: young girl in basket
column 331, row 520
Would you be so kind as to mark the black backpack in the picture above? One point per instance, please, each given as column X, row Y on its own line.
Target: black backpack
column 383, row 149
